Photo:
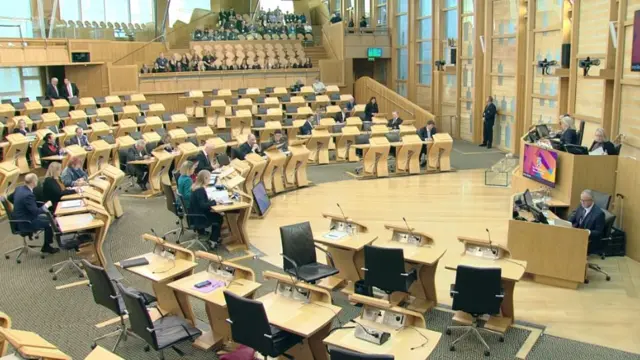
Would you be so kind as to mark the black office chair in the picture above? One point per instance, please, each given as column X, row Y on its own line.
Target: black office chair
column 285, row 98
column 260, row 100
column 6, row 101
column 105, row 294
column 602, row 200
column 109, row 139
column 26, row 248
column 135, row 135
column 385, row 269
column 343, row 354
column 175, row 207
column 258, row 123
column 140, row 119
column 299, row 254
column 150, row 146
column 24, row 99
column 70, row 242
column 91, row 111
column 161, row 132
column 597, row 247
column 250, row 327
column 197, row 230
column 366, row 126
column 268, row 90
column 167, row 331
column 477, row 291
column 334, row 97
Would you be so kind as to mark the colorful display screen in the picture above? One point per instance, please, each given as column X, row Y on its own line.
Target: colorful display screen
column 635, row 47
column 540, row 165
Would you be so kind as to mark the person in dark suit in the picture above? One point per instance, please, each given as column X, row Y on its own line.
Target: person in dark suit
column 395, row 122
column 307, row 128
column 489, row 116
column 141, row 172
column 588, row 216
column 49, row 148
column 600, row 141
column 342, row 116
column 162, row 63
column 251, row 145
column 426, row 133
column 52, row 188
column 69, row 90
column 351, row 104
column 204, row 159
column 21, row 128
column 371, row 109
column 52, row 91
column 80, row 139
column 200, row 214
column 569, row 135
column 31, row 216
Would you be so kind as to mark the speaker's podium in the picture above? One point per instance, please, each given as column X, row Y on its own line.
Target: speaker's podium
column 318, row 146
column 74, row 151
column 296, row 168
column 345, row 242
column 439, row 156
column 408, row 154
column 98, row 157
column 241, row 123
column 420, row 252
column 257, row 165
column 344, row 149
column 16, row 151
column 481, row 253
column 273, row 176
column 375, row 160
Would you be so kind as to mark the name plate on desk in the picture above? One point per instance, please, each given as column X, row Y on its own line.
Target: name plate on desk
column 484, row 252
column 335, row 235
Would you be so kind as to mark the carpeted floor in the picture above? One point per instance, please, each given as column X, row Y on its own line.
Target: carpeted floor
column 66, row 317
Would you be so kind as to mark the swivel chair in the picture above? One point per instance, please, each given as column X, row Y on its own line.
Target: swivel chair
column 597, row 246
column 299, row 254
column 26, row 248
column 385, row 269
column 69, row 242
column 195, row 242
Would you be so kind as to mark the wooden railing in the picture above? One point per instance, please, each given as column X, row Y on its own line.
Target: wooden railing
column 388, row 101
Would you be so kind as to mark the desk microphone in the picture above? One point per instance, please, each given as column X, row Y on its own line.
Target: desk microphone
column 408, row 227
column 343, row 215
column 157, row 248
column 493, row 251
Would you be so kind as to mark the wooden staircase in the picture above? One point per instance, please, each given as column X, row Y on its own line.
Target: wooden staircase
column 316, row 53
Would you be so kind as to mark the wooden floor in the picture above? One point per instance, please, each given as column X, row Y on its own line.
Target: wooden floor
column 452, row 204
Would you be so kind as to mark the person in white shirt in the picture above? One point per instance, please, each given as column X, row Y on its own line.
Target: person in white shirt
column 69, row 90
column 319, row 87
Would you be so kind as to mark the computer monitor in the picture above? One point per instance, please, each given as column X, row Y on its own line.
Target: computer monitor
column 261, row 198
column 385, row 269
column 528, row 199
column 576, row 149
column 223, row 159
column 542, row 130
column 540, row 164
column 538, row 215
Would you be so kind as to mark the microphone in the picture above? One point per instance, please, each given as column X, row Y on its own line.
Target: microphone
column 408, row 227
column 156, row 246
column 493, row 251
column 343, row 215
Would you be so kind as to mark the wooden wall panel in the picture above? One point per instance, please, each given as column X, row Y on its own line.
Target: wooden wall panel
column 333, row 39
column 423, row 97
column 629, row 114
column 593, row 28
column 123, row 79
column 332, row 71
column 548, row 14
column 627, row 185
column 92, row 80
column 589, row 95
column 134, row 53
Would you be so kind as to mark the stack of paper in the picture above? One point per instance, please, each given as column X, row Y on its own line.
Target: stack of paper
column 71, row 204
column 220, row 196
column 335, row 235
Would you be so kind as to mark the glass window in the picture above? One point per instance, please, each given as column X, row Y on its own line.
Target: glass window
column 18, row 14
column 426, row 49
column 450, row 3
column 381, row 2
column 92, row 10
column 403, row 30
column 426, row 28
column 32, row 88
column 69, row 9
column 401, row 88
column 117, row 11
column 425, row 74
column 451, row 24
column 367, row 8
column 381, row 15
column 467, row 6
column 183, row 9
column 403, row 64
column 10, row 80
column 403, row 6
column 142, row 11
column 31, row 72
column 425, row 8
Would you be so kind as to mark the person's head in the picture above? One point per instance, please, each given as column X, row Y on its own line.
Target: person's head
column 54, row 81
column 586, row 198
column 79, row 131
column 567, row 122
column 186, row 168
column 208, row 147
column 140, row 145
column 161, row 55
column 600, row 136
column 202, row 179
column 277, row 135
column 372, row 100
column 489, row 99
column 66, row 81
column 394, row 114
column 251, row 139
column 31, row 180
column 22, row 124
column 344, row 109
column 317, row 80
column 430, row 124
column 75, row 162
column 49, row 138
column 54, row 170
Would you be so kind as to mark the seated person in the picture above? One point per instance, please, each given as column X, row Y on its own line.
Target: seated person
column 52, row 188
column 145, row 69
column 297, row 86
column 250, row 146
column 200, row 212
column 569, row 135
column 319, row 87
column 73, row 175
column 184, row 63
column 31, row 217
column 307, row 128
column 162, row 63
column 207, row 60
column 588, row 216
column 600, row 142
column 205, row 159
column 138, row 152
column 185, row 182
column 21, row 128
column 80, row 139
column 279, row 141
column 308, row 64
column 49, row 148
column 351, row 104
column 256, row 66
column 342, row 116
column 363, row 22
column 197, row 35
column 395, row 121
column 335, row 18
column 426, row 133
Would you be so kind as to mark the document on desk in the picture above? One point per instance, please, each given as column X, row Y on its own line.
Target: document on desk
column 559, row 222
column 598, row 151
column 226, row 171
column 220, row 196
column 335, row 235
column 71, row 204
column 84, row 219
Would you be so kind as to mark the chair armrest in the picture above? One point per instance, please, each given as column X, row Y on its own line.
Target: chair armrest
column 295, row 265
column 20, row 221
column 333, row 265
column 156, row 328
column 452, row 290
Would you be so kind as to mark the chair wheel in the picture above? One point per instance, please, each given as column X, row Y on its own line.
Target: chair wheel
column 501, row 339
column 18, row 261
column 41, row 256
column 54, row 278
column 487, row 353
column 448, row 331
column 586, row 281
column 6, row 257
column 452, row 348
column 51, row 270
column 147, row 348
column 608, row 278
column 93, row 346
column 81, row 276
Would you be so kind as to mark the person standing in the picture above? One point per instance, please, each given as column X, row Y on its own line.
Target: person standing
column 52, row 92
column 70, row 90
column 489, row 116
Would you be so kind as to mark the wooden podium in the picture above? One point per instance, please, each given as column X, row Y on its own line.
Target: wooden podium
column 49, row 119
column 130, row 112
column 187, row 150
column 267, row 131
column 59, row 104
column 237, row 214
column 122, row 143
column 440, row 152
column 296, row 168
column 95, row 218
column 375, row 157
column 344, row 149
column 98, row 129
column 151, row 123
column 408, row 154
column 318, row 146
column 419, row 250
column 354, row 121
column 9, row 174
column 16, row 152
column 85, row 102
column 217, row 105
column 203, row 133
column 126, row 127
column 75, row 117
column 219, row 147
column 159, row 170
column 32, row 107
column 258, row 165
column 99, row 157
column 178, row 136
column 114, row 176
column 273, row 177
column 241, row 123
column 479, row 253
column 178, row 121
column 74, row 151
column 105, row 115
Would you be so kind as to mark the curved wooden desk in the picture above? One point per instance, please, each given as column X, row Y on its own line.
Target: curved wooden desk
column 440, row 152
column 16, row 151
column 99, row 157
column 273, row 177
column 9, row 174
column 408, row 154
column 296, row 168
column 344, row 149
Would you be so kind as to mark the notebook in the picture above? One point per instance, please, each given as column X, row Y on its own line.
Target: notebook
column 211, row 287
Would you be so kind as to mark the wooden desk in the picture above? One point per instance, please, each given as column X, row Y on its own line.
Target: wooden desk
column 344, row 144
column 100, row 353
column 161, row 271
column 375, row 157
column 311, row 320
column 236, row 215
column 408, row 154
column 405, row 342
column 440, row 153
column 62, row 211
column 318, row 146
column 31, row 346
column 241, row 283
column 16, row 151
column 512, row 271
column 296, row 168
column 273, row 176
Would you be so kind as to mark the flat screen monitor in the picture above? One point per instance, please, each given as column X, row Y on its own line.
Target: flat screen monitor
column 542, row 130
column 373, row 53
column 540, row 165
column 635, row 46
column 528, row 199
column 261, row 198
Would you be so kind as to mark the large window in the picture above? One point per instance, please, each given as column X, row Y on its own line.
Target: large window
column 127, row 11
column 183, row 9
column 381, row 12
column 142, row 11
column 401, row 45
column 92, row 10
column 117, row 11
column 20, row 82
column 17, row 17
column 425, row 42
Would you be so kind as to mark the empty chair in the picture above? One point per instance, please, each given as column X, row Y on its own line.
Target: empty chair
column 384, row 269
column 258, row 123
column 477, row 291
column 167, row 331
column 250, row 327
column 24, row 99
column 299, row 254
column 6, row 101
column 175, row 207
column 70, row 242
